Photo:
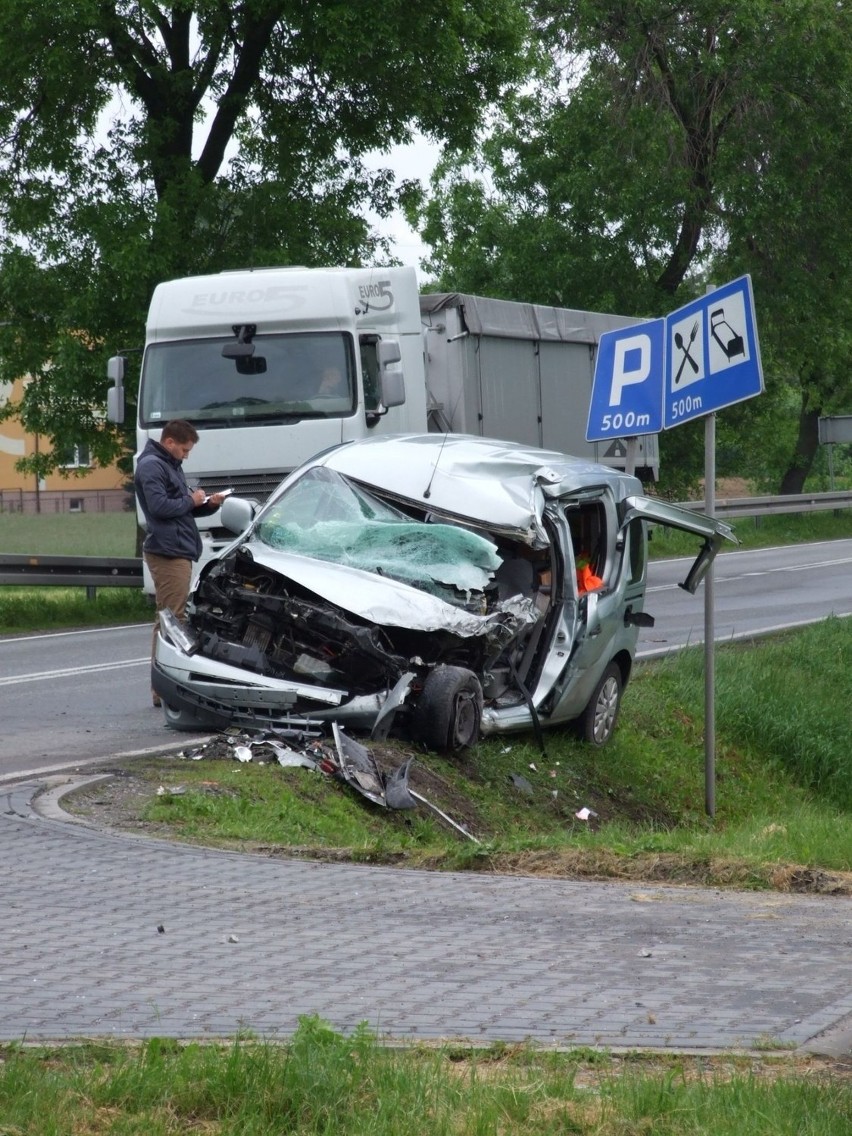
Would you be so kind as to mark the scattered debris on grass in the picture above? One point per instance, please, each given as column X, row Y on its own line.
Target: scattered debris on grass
column 341, row 757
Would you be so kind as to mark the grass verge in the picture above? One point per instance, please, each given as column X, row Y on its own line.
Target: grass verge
column 761, row 532
column 323, row 1082
column 784, row 792
column 69, row 534
column 44, row 609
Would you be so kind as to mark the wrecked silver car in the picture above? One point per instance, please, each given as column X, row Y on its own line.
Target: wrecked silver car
column 439, row 587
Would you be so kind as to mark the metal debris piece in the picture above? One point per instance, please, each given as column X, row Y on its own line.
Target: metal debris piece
column 397, row 793
column 290, row 758
column 459, row 828
column 521, row 784
column 345, row 759
column 358, row 766
column 384, row 718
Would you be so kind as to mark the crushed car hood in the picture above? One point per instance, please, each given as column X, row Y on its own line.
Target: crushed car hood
column 379, row 599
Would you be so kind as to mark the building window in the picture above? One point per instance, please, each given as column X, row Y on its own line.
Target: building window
column 75, row 457
column 75, row 505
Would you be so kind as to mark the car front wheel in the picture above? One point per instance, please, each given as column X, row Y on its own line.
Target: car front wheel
column 597, row 722
column 449, row 710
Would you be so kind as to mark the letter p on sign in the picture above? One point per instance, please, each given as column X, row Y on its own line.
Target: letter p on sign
column 627, row 386
column 631, row 364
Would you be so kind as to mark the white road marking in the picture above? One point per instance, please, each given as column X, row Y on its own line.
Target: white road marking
column 81, row 631
column 66, row 672
column 761, row 572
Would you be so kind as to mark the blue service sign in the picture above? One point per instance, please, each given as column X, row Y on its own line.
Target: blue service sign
column 627, row 384
column 712, row 357
column 699, row 359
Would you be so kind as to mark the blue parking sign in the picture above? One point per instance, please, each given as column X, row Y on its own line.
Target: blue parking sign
column 698, row 359
column 627, row 387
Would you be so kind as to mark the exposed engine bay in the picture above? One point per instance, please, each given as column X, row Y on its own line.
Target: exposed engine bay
column 248, row 615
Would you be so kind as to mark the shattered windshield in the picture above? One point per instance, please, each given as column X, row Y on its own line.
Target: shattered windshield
column 325, row 516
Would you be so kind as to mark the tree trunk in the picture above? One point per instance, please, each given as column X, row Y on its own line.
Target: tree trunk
column 807, row 445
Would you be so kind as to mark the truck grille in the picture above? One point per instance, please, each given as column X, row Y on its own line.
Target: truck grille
column 255, row 486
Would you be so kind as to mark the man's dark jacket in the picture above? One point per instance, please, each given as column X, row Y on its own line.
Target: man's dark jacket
column 168, row 507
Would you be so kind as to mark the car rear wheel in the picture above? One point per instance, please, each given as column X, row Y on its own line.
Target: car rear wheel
column 449, row 710
column 596, row 724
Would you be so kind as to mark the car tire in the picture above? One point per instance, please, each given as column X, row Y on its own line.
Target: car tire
column 448, row 714
column 181, row 719
column 596, row 724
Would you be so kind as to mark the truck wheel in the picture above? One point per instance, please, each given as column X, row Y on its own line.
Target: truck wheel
column 449, row 710
column 181, row 719
column 596, row 724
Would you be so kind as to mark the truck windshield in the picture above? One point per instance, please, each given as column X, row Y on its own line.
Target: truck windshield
column 306, row 375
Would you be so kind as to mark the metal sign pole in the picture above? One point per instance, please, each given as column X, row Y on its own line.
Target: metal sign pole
column 709, row 626
column 630, row 459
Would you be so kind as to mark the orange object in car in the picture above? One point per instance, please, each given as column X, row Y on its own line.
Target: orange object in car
column 587, row 581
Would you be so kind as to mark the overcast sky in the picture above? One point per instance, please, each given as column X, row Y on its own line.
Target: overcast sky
column 414, row 161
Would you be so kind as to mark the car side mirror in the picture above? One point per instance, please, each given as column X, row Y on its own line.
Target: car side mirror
column 701, row 566
column 237, row 514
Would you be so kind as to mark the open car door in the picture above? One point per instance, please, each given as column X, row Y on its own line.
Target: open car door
column 712, row 532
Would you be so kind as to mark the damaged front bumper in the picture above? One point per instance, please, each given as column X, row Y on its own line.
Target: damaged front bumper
column 217, row 695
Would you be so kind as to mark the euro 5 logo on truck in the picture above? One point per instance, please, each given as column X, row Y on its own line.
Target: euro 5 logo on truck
column 628, row 381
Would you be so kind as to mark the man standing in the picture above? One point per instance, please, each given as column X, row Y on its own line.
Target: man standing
column 172, row 541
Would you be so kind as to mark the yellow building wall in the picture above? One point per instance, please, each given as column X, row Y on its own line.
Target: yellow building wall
column 94, row 485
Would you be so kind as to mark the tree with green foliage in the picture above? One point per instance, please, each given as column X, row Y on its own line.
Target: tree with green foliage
column 144, row 140
column 665, row 146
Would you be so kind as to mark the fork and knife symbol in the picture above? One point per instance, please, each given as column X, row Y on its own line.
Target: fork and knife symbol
column 684, row 347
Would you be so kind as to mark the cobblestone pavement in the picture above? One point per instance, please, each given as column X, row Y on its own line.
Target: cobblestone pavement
column 104, row 935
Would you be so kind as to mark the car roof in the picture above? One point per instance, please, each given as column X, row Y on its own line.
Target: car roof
column 502, row 485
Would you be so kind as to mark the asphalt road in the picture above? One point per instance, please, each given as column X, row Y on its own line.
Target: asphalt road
column 757, row 591
column 69, row 699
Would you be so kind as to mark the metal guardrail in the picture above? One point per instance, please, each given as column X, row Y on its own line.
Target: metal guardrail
column 769, row 506
column 71, row 571
column 126, row 572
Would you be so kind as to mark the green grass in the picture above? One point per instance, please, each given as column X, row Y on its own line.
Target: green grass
column 69, row 534
column 322, row 1082
column 43, row 609
column 761, row 532
column 783, row 793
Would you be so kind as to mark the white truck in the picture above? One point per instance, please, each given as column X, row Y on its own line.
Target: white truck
column 275, row 365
